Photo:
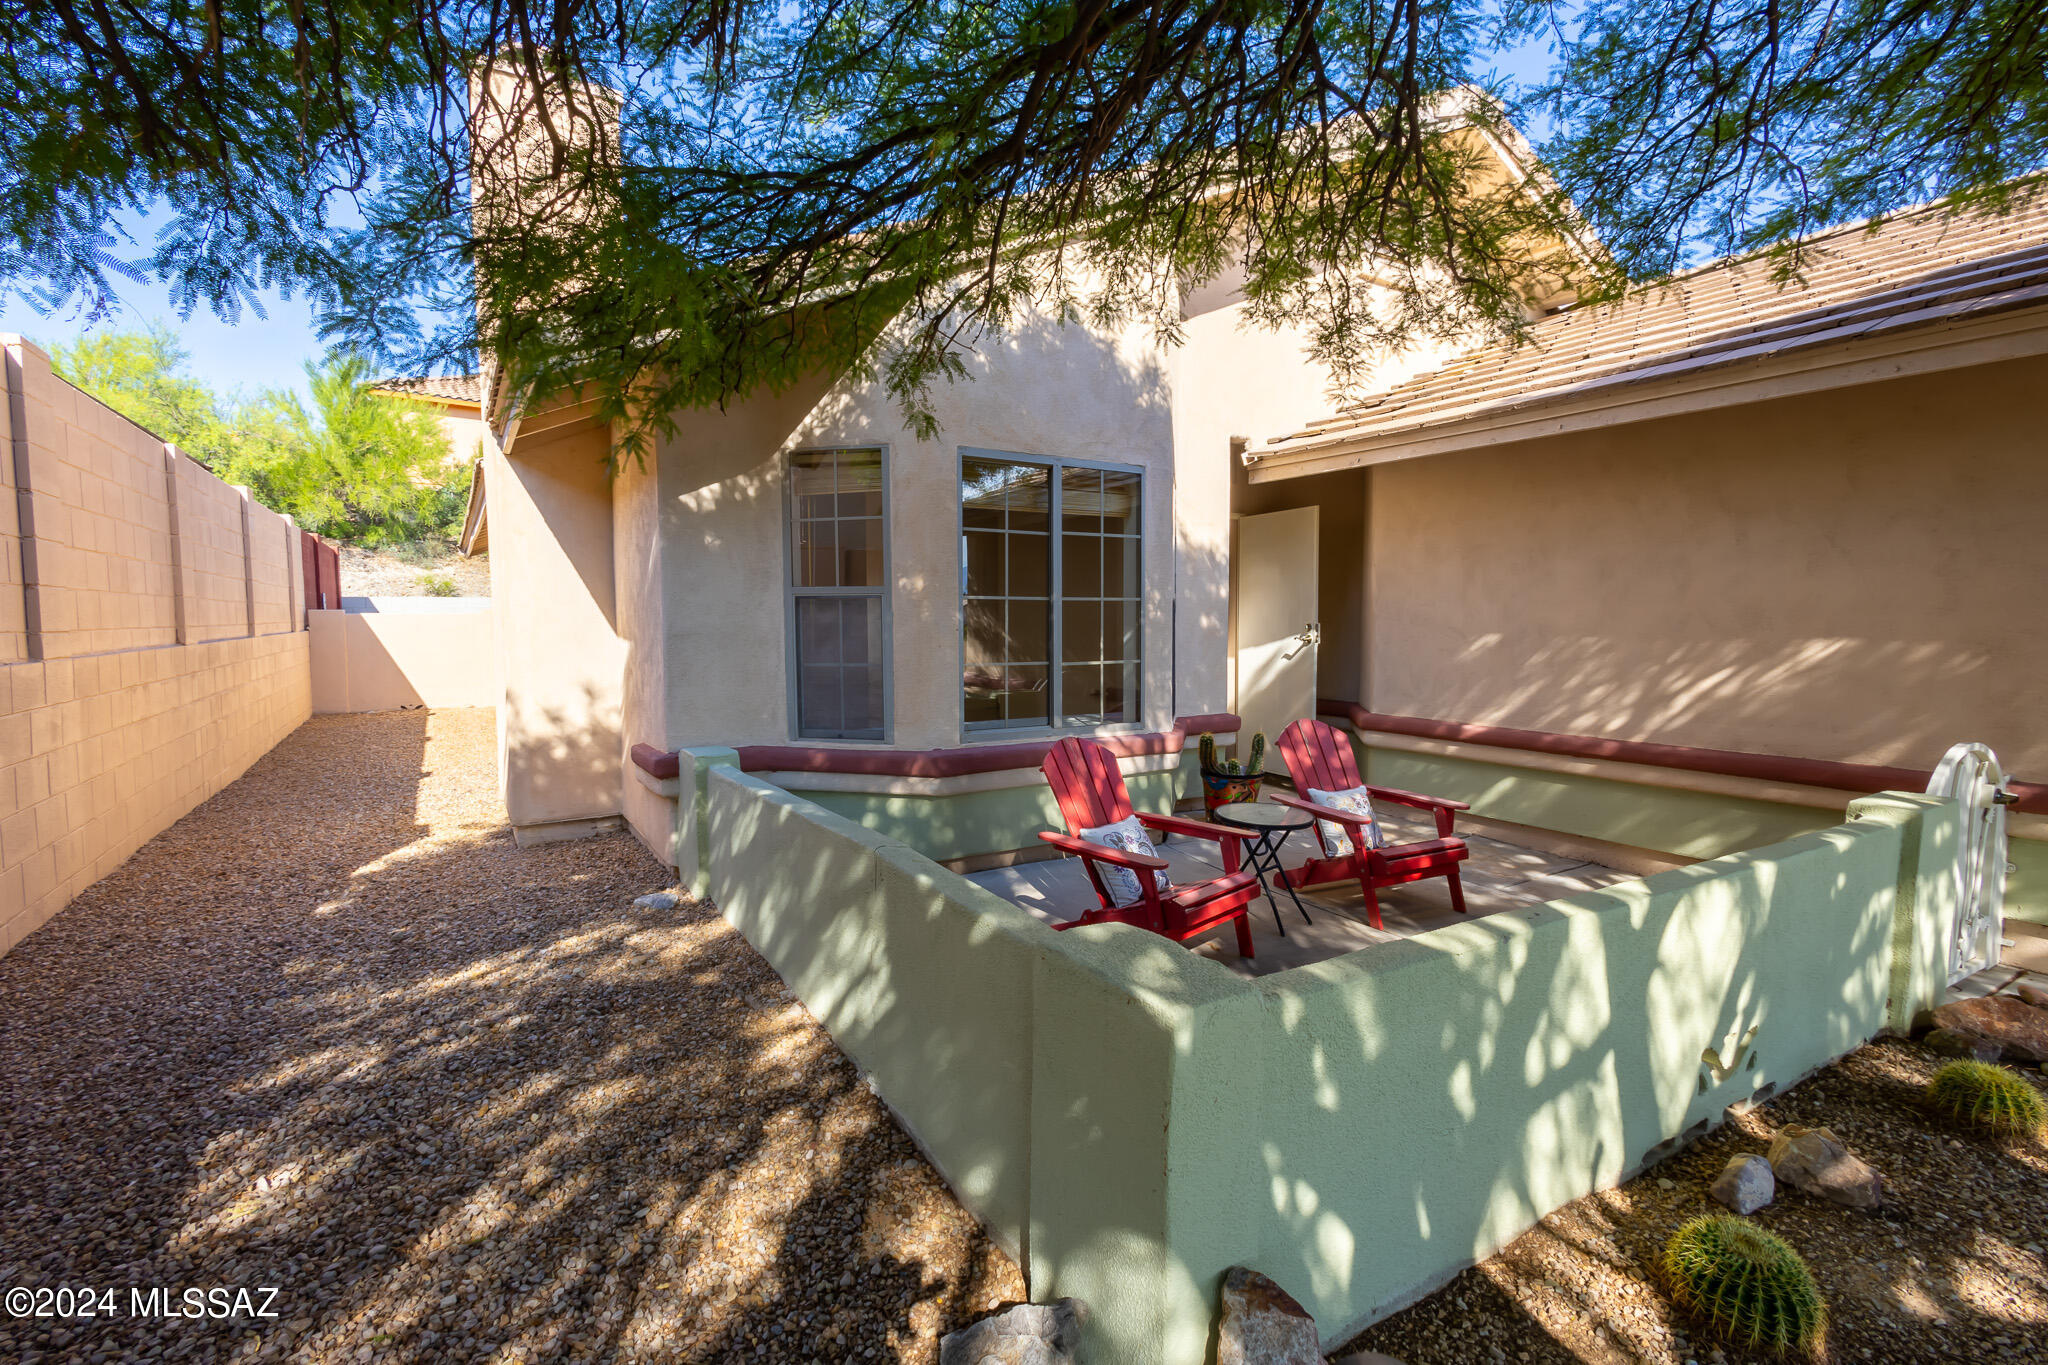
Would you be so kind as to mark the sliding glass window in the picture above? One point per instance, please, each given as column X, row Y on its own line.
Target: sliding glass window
column 837, row 534
column 1051, row 590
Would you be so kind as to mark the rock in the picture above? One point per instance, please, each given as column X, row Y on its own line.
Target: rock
column 1263, row 1325
column 659, row 900
column 2017, row 1027
column 2032, row 994
column 1364, row 1358
column 1745, row 1184
column 1814, row 1160
column 1955, row 1043
column 1022, row 1334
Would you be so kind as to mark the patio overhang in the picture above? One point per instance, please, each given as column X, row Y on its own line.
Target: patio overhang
column 1928, row 290
column 1642, row 396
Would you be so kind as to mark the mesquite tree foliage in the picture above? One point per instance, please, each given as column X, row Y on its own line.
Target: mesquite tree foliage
column 658, row 203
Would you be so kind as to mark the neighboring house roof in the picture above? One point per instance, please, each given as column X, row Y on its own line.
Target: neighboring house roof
column 436, row 388
column 1914, row 282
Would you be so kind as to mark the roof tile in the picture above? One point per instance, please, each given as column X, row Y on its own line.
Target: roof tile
column 1918, row 268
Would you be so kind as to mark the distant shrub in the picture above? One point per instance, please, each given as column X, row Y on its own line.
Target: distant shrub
column 1988, row 1096
column 438, row 585
column 1746, row 1282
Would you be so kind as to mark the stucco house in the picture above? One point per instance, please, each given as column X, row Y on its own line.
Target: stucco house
column 1673, row 587
column 1797, row 523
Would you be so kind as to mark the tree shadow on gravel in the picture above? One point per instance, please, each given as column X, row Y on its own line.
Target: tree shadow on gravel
column 1950, row 1268
column 335, row 1034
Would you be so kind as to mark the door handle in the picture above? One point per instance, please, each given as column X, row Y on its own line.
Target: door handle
column 1307, row 637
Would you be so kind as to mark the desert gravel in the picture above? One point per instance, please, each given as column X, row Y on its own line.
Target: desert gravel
column 455, row 1100
column 1951, row 1268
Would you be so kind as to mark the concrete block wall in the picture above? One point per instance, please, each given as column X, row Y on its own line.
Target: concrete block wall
column 151, row 646
column 212, row 548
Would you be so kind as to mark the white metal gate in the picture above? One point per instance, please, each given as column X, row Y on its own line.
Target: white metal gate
column 1969, row 773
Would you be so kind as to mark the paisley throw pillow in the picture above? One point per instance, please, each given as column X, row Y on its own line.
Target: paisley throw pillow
column 1335, row 836
column 1128, row 835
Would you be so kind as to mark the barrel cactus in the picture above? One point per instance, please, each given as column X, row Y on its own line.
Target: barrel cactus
column 1747, row 1283
column 1255, row 761
column 1988, row 1096
column 1208, row 751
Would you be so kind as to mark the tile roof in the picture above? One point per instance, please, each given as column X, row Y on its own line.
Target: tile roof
column 1921, row 268
column 458, row 388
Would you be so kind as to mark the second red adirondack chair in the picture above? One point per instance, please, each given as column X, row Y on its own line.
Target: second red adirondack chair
column 1089, row 787
column 1318, row 756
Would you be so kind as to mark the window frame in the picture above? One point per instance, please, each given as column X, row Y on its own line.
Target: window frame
column 792, row 593
column 984, row 731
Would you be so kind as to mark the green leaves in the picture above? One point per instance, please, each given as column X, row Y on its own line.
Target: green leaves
column 358, row 466
column 1692, row 128
column 680, row 202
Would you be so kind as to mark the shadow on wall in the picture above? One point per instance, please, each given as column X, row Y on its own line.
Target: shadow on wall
column 1360, row 1129
column 562, row 762
column 722, row 515
column 382, row 661
column 1719, row 592
column 1506, row 1067
column 420, row 1079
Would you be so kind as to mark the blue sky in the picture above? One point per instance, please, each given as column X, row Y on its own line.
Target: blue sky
column 254, row 353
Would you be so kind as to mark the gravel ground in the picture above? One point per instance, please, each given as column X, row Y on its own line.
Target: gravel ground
column 1951, row 1268
column 333, row 1033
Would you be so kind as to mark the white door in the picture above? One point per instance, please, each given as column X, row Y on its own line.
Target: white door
column 1277, row 631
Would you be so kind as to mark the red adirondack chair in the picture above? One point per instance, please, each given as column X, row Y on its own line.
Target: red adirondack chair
column 1317, row 756
column 1090, row 790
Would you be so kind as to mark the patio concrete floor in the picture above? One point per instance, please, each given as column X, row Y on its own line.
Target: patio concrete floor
column 1498, row 876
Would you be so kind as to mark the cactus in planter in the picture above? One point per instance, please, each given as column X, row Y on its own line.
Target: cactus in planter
column 1252, row 765
column 1989, row 1096
column 1747, row 1282
column 1225, row 780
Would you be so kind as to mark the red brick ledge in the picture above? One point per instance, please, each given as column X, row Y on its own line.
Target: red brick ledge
column 977, row 758
column 1806, row 772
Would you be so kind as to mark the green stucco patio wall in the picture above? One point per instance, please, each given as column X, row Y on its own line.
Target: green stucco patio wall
column 1689, row 824
column 1131, row 1119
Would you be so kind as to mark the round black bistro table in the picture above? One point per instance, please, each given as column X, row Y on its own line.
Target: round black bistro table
column 1270, row 825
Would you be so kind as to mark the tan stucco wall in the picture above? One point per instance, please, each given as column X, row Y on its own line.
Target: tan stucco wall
column 1047, row 390
column 1853, row 576
column 1230, row 380
column 381, row 661
column 560, row 661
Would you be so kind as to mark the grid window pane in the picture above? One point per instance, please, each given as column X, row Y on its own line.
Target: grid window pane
column 1030, row 565
column 1024, row 697
column 1120, row 567
column 985, row 564
column 1030, row 501
column 1081, row 691
column 838, row 534
column 818, row 695
column 1120, row 503
column 1081, row 566
column 1081, row 500
column 1050, row 623
column 1030, row 630
column 1080, row 631
column 860, row 552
